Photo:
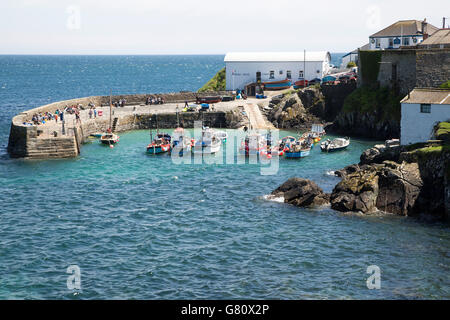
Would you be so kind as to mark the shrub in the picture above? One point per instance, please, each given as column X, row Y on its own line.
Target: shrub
column 351, row 64
column 217, row 83
column 445, row 85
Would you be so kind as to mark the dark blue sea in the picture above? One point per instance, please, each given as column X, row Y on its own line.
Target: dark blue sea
column 142, row 227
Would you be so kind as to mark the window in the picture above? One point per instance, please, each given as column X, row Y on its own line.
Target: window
column 425, row 108
column 288, row 74
column 300, row 74
column 377, row 42
column 405, row 41
column 391, row 42
column 281, row 71
column 272, row 75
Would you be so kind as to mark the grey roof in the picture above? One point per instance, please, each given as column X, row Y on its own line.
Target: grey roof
column 431, row 96
column 442, row 36
column 364, row 47
column 406, row 28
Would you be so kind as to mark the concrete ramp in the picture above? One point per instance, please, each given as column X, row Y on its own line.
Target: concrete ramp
column 256, row 118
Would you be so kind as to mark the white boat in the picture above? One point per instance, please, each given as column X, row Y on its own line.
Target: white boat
column 209, row 143
column 222, row 135
column 109, row 138
column 335, row 144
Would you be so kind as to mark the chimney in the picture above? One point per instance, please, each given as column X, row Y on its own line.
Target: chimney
column 424, row 29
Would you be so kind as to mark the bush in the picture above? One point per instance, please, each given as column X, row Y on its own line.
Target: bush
column 217, row 83
column 382, row 102
column 445, row 85
column 351, row 64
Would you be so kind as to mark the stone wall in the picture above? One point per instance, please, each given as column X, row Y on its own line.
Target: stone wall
column 405, row 62
column 433, row 67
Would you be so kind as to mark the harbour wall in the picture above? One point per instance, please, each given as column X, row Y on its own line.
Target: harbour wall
column 32, row 142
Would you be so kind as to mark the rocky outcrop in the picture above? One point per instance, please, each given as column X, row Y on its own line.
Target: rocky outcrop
column 301, row 192
column 380, row 153
column 358, row 191
column 296, row 110
column 389, row 187
column 393, row 180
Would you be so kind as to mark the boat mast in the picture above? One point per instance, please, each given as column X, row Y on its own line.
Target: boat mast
column 110, row 109
column 304, row 67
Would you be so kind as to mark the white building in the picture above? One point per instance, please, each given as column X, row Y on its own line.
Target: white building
column 243, row 68
column 422, row 109
column 400, row 34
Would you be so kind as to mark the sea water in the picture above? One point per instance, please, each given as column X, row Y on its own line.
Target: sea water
column 142, row 227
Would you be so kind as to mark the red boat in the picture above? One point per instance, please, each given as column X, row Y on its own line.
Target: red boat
column 211, row 99
column 300, row 84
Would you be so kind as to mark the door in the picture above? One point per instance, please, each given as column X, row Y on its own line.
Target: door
column 258, row 76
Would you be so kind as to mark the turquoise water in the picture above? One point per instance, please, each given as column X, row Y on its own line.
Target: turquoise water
column 142, row 227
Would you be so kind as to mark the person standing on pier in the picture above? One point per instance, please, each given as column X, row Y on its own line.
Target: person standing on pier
column 95, row 113
column 90, row 113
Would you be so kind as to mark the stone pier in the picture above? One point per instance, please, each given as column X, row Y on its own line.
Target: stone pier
column 55, row 140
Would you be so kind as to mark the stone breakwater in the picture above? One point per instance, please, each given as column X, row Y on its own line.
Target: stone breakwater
column 53, row 140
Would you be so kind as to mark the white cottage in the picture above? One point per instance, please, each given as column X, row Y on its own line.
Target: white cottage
column 422, row 109
column 403, row 33
column 243, row 68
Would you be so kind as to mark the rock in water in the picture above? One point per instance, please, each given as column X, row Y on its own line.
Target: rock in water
column 302, row 193
column 358, row 191
column 399, row 188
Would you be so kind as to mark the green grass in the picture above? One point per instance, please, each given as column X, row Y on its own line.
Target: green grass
column 443, row 131
column 217, row 83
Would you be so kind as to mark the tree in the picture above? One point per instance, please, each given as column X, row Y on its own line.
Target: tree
column 351, row 64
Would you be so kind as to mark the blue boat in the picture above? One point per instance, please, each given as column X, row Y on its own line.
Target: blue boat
column 300, row 154
column 300, row 149
column 277, row 85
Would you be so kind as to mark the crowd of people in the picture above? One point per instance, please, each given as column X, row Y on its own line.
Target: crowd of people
column 120, row 103
column 154, row 100
column 43, row 117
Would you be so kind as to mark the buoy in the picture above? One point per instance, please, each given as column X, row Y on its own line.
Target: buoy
column 111, row 146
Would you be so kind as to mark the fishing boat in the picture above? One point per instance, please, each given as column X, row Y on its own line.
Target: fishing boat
column 253, row 144
column 109, row 138
column 222, row 135
column 335, row 144
column 300, row 84
column 160, row 144
column 286, row 142
column 209, row 100
column 300, row 149
column 277, row 85
column 209, row 143
column 180, row 143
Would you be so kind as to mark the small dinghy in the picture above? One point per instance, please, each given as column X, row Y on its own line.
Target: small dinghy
column 335, row 144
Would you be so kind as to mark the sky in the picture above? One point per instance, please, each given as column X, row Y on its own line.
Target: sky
column 201, row 26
